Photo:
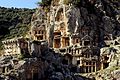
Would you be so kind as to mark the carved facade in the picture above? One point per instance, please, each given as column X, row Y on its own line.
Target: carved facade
column 60, row 29
column 108, row 54
column 77, row 43
column 39, row 33
column 84, row 55
column 15, row 46
column 39, row 26
column 11, row 67
column 29, row 69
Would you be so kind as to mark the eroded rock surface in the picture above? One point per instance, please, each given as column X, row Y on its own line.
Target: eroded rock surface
column 82, row 38
column 99, row 20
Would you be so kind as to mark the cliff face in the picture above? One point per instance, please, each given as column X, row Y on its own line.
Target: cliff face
column 100, row 19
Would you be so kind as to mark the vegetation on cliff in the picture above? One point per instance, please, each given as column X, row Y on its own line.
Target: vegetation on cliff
column 75, row 2
column 14, row 22
column 44, row 2
column 48, row 2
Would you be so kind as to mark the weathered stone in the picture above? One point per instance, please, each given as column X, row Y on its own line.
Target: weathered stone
column 84, row 38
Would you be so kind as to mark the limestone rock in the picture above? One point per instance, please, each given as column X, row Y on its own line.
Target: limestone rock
column 97, row 20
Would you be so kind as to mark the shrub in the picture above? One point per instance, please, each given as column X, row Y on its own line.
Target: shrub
column 74, row 2
column 44, row 3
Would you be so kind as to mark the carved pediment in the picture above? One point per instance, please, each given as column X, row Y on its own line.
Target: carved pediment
column 87, row 37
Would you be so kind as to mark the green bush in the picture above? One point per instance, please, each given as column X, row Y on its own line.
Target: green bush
column 67, row 2
column 74, row 2
column 44, row 3
column 14, row 22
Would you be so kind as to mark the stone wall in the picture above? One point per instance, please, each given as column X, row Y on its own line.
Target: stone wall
column 15, row 46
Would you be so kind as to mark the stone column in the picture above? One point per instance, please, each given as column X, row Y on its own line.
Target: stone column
column 61, row 42
column 74, row 61
column 88, row 69
column 70, row 41
column 82, row 43
column 102, row 66
column 92, row 68
column 32, row 73
column 85, row 69
column 95, row 66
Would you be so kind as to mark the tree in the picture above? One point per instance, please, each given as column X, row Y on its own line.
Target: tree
column 74, row 2
column 44, row 3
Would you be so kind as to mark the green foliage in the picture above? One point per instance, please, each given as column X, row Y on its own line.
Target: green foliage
column 48, row 2
column 21, row 56
column 14, row 22
column 67, row 1
column 44, row 3
column 74, row 2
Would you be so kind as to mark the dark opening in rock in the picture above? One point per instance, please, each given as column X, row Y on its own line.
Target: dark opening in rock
column 86, row 43
column 105, row 65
